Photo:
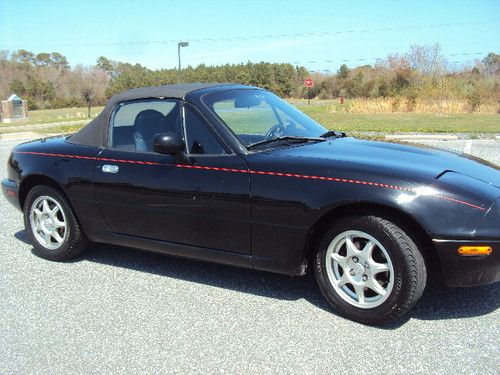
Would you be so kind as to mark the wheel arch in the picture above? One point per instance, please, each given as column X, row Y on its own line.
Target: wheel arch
column 29, row 182
column 401, row 218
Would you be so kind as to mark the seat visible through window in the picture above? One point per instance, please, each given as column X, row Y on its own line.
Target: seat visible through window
column 136, row 123
column 147, row 124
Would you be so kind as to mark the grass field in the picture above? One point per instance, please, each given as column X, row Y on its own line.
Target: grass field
column 323, row 112
column 45, row 116
column 404, row 122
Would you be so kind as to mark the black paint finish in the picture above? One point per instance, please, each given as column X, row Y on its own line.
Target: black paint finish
column 264, row 209
column 182, row 205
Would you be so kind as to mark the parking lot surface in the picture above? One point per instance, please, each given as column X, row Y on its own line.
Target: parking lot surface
column 116, row 310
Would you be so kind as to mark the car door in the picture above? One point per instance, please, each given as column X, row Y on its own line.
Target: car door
column 199, row 199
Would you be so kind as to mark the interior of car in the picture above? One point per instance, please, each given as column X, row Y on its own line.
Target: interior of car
column 138, row 135
column 135, row 125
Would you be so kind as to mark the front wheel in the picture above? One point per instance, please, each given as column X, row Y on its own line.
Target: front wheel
column 369, row 269
column 51, row 225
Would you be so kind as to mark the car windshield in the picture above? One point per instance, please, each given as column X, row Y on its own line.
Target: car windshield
column 258, row 117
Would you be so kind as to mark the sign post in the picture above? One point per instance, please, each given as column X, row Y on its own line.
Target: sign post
column 309, row 82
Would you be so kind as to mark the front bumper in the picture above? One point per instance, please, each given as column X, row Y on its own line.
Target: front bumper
column 10, row 191
column 459, row 270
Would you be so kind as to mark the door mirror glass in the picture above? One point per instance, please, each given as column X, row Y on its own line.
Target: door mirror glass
column 168, row 143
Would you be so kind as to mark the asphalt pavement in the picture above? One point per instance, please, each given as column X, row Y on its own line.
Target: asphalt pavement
column 116, row 310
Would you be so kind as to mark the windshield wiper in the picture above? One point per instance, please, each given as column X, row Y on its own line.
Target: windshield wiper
column 284, row 138
column 333, row 133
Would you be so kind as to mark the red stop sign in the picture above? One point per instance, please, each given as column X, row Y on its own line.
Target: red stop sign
column 309, row 82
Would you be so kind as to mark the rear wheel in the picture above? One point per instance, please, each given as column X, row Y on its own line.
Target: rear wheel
column 369, row 269
column 51, row 225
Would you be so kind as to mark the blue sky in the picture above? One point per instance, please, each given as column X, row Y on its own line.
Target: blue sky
column 327, row 33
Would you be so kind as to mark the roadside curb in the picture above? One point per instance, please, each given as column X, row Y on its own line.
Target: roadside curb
column 413, row 137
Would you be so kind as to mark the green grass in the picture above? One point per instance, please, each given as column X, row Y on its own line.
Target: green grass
column 348, row 122
column 403, row 122
column 45, row 116
column 59, row 129
column 388, row 123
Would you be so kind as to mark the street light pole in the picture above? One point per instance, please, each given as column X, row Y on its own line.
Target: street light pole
column 179, row 45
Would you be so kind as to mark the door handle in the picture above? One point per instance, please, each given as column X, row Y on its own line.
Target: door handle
column 108, row 168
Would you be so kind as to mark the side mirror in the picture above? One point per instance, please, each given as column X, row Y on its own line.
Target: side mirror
column 168, row 143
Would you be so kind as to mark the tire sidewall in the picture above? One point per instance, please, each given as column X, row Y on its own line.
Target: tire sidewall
column 397, row 296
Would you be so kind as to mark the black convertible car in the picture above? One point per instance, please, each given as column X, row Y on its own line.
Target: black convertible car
column 233, row 174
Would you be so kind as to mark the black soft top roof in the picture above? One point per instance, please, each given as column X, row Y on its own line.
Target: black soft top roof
column 95, row 133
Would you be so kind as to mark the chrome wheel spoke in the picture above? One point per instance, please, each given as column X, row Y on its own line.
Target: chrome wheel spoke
column 374, row 285
column 350, row 247
column 45, row 207
column 38, row 213
column 59, row 224
column 54, row 211
column 343, row 280
column 368, row 249
column 340, row 260
column 57, row 237
column 47, row 237
column 360, row 293
column 378, row 267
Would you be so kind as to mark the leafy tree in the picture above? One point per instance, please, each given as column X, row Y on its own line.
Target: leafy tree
column 492, row 64
column 23, row 56
column 47, row 80
column 43, row 59
column 17, row 87
column 343, row 72
column 355, row 85
column 104, row 64
column 59, row 61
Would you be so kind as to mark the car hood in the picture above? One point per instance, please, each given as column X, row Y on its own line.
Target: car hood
column 393, row 157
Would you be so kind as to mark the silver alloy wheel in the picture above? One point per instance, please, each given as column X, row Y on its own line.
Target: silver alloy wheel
column 359, row 269
column 48, row 222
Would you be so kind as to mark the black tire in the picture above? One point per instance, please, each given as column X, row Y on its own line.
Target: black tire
column 408, row 264
column 75, row 241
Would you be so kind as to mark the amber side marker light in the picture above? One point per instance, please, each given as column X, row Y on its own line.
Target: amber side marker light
column 475, row 250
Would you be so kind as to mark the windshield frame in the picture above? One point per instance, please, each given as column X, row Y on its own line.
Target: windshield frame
column 245, row 147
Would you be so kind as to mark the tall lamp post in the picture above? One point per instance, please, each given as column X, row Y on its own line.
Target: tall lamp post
column 179, row 45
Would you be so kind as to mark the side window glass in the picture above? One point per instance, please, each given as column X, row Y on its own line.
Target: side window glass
column 199, row 139
column 136, row 123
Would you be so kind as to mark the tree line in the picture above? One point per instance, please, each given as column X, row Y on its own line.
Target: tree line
column 422, row 73
column 47, row 80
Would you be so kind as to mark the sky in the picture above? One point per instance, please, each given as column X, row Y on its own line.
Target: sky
column 320, row 35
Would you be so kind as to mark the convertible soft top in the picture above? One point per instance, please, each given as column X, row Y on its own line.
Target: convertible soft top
column 95, row 133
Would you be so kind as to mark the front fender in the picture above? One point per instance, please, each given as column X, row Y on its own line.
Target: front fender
column 287, row 204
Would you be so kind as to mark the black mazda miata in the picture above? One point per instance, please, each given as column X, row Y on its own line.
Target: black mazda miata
column 233, row 174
